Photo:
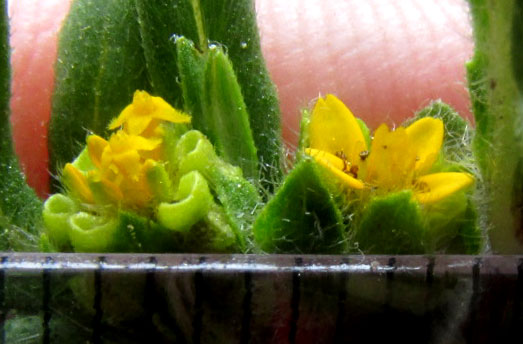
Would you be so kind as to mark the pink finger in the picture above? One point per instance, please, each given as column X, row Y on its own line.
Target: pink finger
column 384, row 58
column 34, row 27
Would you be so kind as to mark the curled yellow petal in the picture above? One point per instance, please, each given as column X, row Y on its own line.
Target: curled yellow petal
column 337, row 166
column 426, row 135
column 141, row 105
column 169, row 114
column 122, row 118
column 326, row 158
column 121, row 142
column 104, row 189
column 435, row 187
column 95, row 148
column 137, row 124
column 77, row 183
column 334, row 129
column 144, row 110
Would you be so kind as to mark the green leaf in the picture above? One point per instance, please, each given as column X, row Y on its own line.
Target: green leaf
column 365, row 130
column 20, row 208
column 237, row 196
column 100, row 64
column 391, row 224
column 302, row 217
column 452, row 226
column 191, row 64
column 232, row 23
column 495, row 80
column 304, row 139
column 108, row 49
column 139, row 234
column 161, row 21
column 136, row 233
column 213, row 97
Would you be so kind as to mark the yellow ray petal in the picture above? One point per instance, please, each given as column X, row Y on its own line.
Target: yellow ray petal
column 435, row 187
column 391, row 161
column 336, row 166
column 122, row 118
column 142, row 143
column 77, row 183
column 140, row 106
column 95, row 147
column 121, row 141
column 334, row 129
column 137, row 116
column 426, row 135
column 137, row 123
column 166, row 112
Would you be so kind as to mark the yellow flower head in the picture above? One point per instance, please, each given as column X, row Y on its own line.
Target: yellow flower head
column 121, row 164
column 145, row 113
column 396, row 160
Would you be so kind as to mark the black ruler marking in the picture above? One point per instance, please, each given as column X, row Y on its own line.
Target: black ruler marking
column 295, row 301
column 149, row 299
column 198, row 303
column 3, row 310
column 390, row 279
column 517, row 315
column 429, row 277
column 46, row 300
column 476, row 278
column 342, row 300
column 97, row 303
column 247, row 305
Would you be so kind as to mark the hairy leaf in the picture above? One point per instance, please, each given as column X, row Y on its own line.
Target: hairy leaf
column 108, row 49
column 495, row 80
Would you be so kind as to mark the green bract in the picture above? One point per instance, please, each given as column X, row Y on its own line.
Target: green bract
column 108, row 49
column 315, row 211
column 201, row 204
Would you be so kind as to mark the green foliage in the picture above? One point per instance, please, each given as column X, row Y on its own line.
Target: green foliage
column 391, row 224
column 213, row 98
column 396, row 223
column 100, row 64
column 201, row 204
column 452, row 224
column 495, row 79
column 302, row 217
column 108, row 49
column 236, row 195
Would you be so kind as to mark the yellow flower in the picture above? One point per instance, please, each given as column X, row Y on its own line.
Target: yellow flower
column 396, row 160
column 144, row 115
column 121, row 164
column 77, row 183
